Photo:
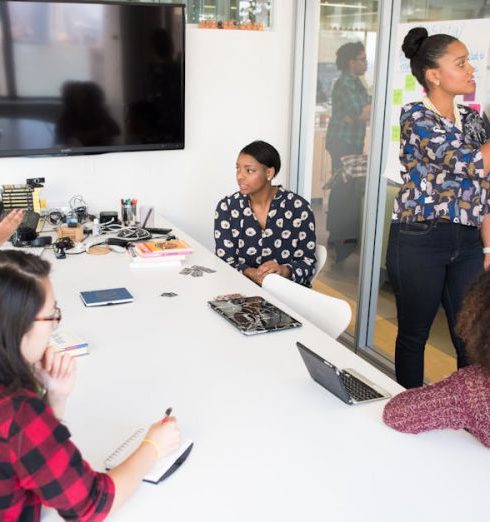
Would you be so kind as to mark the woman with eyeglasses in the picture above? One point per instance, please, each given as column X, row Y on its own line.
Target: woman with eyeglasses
column 39, row 465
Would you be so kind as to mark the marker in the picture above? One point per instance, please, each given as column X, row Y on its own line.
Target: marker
column 168, row 411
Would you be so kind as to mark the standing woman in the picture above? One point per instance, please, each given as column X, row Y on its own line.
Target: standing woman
column 440, row 216
column 264, row 229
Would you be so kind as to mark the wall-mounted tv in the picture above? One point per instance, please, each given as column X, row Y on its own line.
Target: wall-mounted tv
column 78, row 78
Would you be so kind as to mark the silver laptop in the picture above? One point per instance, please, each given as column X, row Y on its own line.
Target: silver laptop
column 253, row 315
column 348, row 385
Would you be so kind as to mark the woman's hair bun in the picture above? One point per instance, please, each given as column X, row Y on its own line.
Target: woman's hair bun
column 414, row 39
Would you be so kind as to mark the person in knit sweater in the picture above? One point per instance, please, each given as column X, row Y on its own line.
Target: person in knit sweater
column 462, row 400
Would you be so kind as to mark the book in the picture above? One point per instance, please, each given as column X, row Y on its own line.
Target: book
column 172, row 247
column 67, row 342
column 162, row 469
column 106, row 297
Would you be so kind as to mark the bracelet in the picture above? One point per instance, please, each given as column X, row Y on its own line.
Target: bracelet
column 486, row 250
column 154, row 444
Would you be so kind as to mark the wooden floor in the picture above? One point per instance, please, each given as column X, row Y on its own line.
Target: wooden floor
column 438, row 363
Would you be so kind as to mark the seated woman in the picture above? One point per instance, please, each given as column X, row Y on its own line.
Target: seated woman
column 9, row 224
column 263, row 228
column 461, row 401
column 38, row 462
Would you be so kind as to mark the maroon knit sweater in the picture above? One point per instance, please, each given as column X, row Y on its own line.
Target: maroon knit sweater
column 461, row 401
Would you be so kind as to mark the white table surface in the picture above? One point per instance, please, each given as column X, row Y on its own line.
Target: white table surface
column 270, row 443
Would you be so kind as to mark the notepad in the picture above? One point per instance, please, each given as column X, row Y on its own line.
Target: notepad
column 106, row 297
column 162, row 469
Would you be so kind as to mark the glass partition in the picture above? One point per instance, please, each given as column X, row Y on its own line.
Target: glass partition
column 346, row 62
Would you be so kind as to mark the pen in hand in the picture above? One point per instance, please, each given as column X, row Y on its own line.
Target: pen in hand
column 168, row 412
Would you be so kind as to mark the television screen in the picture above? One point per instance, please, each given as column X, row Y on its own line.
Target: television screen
column 90, row 77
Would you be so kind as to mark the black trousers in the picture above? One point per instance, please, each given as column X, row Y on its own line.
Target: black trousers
column 429, row 263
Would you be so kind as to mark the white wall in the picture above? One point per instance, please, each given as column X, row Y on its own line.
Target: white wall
column 238, row 88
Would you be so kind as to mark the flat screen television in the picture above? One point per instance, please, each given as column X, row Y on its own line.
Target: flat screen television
column 78, row 78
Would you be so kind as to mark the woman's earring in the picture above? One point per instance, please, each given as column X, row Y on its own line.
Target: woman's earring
column 436, row 82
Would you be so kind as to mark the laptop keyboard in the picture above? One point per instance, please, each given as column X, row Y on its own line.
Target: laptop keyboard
column 358, row 390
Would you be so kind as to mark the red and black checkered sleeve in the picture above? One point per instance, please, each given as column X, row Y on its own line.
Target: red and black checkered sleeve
column 48, row 464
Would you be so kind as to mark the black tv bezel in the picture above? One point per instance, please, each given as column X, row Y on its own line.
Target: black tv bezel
column 80, row 151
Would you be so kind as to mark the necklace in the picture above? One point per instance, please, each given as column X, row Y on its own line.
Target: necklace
column 457, row 116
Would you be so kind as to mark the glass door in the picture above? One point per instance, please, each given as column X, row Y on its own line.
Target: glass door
column 345, row 71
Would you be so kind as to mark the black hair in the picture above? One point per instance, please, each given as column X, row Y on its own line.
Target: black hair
column 424, row 51
column 264, row 153
column 22, row 296
column 346, row 53
column 473, row 321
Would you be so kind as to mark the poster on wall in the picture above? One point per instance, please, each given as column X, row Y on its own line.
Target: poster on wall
column 476, row 36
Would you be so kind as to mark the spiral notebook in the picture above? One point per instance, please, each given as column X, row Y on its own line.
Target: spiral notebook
column 162, row 469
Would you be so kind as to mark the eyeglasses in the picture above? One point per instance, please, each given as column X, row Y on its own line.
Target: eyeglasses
column 56, row 317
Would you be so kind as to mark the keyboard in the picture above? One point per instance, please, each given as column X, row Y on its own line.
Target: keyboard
column 357, row 389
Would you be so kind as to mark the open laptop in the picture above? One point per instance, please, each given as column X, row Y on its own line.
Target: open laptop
column 253, row 315
column 347, row 385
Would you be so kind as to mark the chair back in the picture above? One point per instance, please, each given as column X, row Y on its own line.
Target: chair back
column 321, row 258
column 328, row 313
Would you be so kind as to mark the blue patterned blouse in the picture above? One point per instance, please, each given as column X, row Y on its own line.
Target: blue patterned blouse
column 288, row 236
column 441, row 167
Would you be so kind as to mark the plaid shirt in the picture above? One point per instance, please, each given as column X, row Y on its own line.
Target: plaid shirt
column 349, row 96
column 40, row 465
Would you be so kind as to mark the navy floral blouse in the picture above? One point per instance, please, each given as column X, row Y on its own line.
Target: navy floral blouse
column 288, row 237
column 441, row 167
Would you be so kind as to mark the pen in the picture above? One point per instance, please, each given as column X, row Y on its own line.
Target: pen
column 168, row 411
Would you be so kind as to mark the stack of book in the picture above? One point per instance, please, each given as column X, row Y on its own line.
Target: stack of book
column 159, row 253
column 67, row 342
column 21, row 196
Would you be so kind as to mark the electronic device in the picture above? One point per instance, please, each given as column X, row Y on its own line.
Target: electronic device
column 348, row 385
column 253, row 315
column 115, row 77
column 108, row 216
column 27, row 230
column 156, row 230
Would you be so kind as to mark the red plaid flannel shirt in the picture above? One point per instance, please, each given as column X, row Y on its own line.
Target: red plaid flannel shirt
column 40, row 465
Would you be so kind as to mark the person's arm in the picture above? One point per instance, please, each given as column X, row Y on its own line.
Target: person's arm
column 438, row 406
column 9, row 224
column 225, row 243
column 162, row 439
column 431, row 142
column 304, row 256
column 485, row 236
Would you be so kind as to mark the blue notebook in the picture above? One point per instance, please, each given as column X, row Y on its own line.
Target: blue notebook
column 106, row 297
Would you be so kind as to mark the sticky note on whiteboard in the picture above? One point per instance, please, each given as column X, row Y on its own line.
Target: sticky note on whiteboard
column 410, row 82
column 397, row 96
column 395, row 133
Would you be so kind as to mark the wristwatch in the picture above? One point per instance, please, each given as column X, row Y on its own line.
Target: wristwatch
column 486, row 250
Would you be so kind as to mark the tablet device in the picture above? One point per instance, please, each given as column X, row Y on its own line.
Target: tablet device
column 254, row 315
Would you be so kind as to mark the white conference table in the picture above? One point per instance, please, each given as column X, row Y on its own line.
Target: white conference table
column 270, row 443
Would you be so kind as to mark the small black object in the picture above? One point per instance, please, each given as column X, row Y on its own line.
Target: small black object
column 56, row 217
column 61, row 245
column 153, row 230
column 118, row 241
column 35, row 182
column 41, row 241
column 108, row 217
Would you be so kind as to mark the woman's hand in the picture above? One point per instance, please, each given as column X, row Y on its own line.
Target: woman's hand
column 252, row 273
column 9, row 224
column 486, row 262
column 273, row 267
column 166, row 435
column 56, row 372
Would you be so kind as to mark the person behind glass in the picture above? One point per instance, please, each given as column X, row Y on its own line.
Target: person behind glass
column 435, row 249
column 38, row 462
column 263, row 228
column 346, row 131
column 351, row 105
column 10, row 223
column 462, row 400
